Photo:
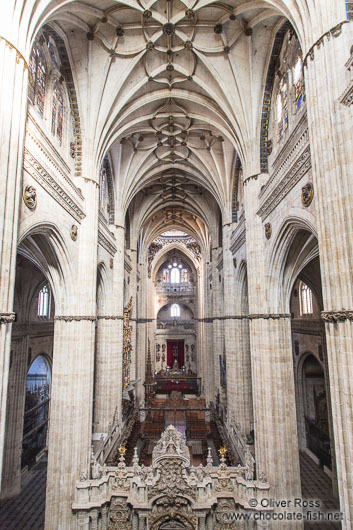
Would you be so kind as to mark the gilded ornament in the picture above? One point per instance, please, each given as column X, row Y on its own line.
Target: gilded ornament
column 30, row 197
column 74, row 232
column 122, row 450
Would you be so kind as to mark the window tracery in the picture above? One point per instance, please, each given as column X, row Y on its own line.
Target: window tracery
column 43, row 310
column 175, row 310
column 306, row 299
column 57, row 116
column 38, row 72
column 282, row 107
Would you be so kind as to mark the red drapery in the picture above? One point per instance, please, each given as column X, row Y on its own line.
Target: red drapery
column 175, row 346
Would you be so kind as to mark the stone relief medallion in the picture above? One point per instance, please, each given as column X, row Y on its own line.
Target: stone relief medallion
column 307, row 194
column 74, row 232
column 119, row 515
column 30, row 197
column 268, row 230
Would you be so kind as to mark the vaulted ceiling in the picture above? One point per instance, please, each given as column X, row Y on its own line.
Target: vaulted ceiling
column 173, row 89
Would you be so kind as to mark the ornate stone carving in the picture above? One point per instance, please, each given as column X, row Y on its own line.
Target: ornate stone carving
column 307, row 194
column 127, row 346
column 7, row 318
column 74, row 232
column 74, row 318
column 268, row 230
column 119, row 515
column 51, row 186
column 337, row 316
column 334, row 32
column 30, row 197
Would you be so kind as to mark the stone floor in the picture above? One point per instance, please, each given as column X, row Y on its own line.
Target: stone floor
column 317, row 485
column 26, row 511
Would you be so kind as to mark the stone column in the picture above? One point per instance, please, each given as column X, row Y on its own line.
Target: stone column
column 276, row 440
column 71, row 404
column 108, row 376
column 14, row 82
column 330, row 114
column 14, row 422
column 217, row 325
column 236, row 336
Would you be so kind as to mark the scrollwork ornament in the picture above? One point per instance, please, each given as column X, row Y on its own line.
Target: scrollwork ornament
column 30, row 197
column 307, row 194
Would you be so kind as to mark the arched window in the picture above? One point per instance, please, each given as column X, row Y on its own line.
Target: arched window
column 166, row 276
column 184, row 276
column 175, row 275
column 175, row 310
column 57, row 112
column 282, row 107
column 306, row 299
column 44, row 302
column 102, row 188
column 298, row 80
column 37, row 68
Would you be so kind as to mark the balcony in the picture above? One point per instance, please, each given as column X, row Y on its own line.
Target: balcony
column 176, row 289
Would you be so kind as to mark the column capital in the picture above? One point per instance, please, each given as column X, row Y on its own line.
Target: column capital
column 18, row 53
column 75, row 318
column 7, row 317
column 338, row 315
column 333, row 32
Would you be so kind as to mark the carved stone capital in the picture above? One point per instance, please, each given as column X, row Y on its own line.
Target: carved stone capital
column 333, row 32
column 75, row 318
column 337, row 316
column 110, row 317
column 268, row 316
column 7, row 318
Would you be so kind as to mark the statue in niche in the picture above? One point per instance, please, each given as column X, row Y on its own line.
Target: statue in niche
column 175, row 364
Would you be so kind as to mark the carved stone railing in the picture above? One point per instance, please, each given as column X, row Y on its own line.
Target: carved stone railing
column 291, row 164
column 170, row 490
column 117, row 434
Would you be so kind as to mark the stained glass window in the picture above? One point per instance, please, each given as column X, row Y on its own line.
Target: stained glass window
column 282, row 107
column 166, row 276
column 306, row 299
column 57, row 112
column 175, row 275
column 175, row 310
column 298, row 79
column 184, row 276
column 37, row 69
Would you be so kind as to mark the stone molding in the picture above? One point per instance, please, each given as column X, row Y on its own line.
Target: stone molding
column 254, row 316
column 251, row 177
column 7, row 317
column 110, row 317
column 301, row 166
column 335, row 316
column 40, row 175
column 239, row 237
column 104, row 242
column 347, row 96
column 333, row 32
column 292, row 146
column 75, row 318
column 18, row 53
